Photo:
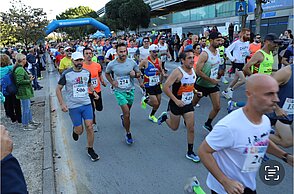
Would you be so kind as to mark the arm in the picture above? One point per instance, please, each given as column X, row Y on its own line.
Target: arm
column 162, row 72
column 200, row 63
column 257, row 58
column 19, row 77
column 60, row 98
column 229, row 50
column 279, row 153
column 286, row 57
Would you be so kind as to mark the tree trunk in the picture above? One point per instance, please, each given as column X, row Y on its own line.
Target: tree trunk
column 258, row 14
column 244, row 18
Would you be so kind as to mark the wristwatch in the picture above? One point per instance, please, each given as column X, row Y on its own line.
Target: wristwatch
column 284, row 157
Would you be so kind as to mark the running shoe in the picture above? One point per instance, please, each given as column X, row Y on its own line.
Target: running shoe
column 143, row 102
column 207, row 127
column 91, row 153
column 35, row 123
column 192, row 156
column 75, row 136
column 153, row 119
column 111, row 90
column 197, row 105
column 129, row 139
column 29, row 127
column 224, row 80
column 230, row 107
column 162, row 118
column 122, row 120
column 226, row 94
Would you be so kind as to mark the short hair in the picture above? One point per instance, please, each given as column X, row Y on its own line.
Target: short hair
column 4, row 60
column 121, row 44
column 87, row 48
column 195, row 45
column 183, row 54
column 19, row 57
column 146, row 38
column 245, row 30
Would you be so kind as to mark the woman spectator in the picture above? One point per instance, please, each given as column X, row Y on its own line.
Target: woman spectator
column 177, row 46
column 25, row 91
column 11, row 104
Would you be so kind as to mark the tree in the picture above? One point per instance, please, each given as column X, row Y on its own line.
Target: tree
column 23, row 23
column 74, row 13
column 258, row 14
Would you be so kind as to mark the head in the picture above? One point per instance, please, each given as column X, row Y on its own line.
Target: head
column 88, row 54
column 215, row 39
column 4, row 60
column 261, row 91
column 189, row 35
column 114, row 44
column 153, row 50
column 203, row 41
column 61, row 50
column 121, row 51
column 197, row 49
column 146, row 42
column 245, row 34
column 68, row 51
column 271, row 41
column 133, row 42
column 21, row 59
column 257, row 38
column 162, row 40
column 195, row 38
column 77, row 59
column 187, row 59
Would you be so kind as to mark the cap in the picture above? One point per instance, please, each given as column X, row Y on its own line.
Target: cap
column 163, row 38
column 153, row 47
column 67, row 48
column 272, row 37
column 77, row 55
column 188, row 48
column 215, row 35
column 114, row 41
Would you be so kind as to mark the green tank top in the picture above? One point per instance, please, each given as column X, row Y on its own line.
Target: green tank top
column 266, row 66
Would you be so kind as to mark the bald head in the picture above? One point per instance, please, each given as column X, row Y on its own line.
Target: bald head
column 258, row 81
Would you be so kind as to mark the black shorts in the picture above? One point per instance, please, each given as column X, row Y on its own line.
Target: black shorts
column 179, row 110
column 206, row 91
column 98, row 103
column 274, row 118
column 238, row 66
column 153, row 90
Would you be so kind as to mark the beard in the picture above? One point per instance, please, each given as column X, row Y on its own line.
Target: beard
column 79, row 65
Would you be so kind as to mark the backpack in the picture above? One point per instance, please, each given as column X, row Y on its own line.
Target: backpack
column 8, row 85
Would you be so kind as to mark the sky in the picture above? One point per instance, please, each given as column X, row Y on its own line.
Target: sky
column 55, row 7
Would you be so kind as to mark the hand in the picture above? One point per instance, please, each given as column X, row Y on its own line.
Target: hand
column 180, row 103
column 280, row 112
column 6, row 142
column 214, row 81
column 132, row 73
column 114, row 84
column 64, row 108
column 142, row 85
column 233, row 187
column 32, row 78
column 198, row 94
column 96, row 96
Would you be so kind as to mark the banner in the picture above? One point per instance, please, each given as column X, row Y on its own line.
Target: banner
column 270, row 5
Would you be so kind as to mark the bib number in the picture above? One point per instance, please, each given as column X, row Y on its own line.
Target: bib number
column 94, row 82
column 288, row 106
column 187, row 97
column 123, row 82
column 253, row 158
column 80, row 90
column 153, row 80
column 214, row 72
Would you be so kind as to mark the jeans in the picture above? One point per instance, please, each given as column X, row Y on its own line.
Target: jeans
column 26, row 111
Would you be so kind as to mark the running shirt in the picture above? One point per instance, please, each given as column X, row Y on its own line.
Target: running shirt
column 58, row 58
column 240, row 51
column 163, row 51
column 131, row 52
column 240, row 146
column 111, row 54
column 99, row 50
column 253, row 48
column 65, row 63
column 210, row 69
column 184, row 90
column 76, row 87
column 266, row 66
column 152, row 73
column 94, row 69
column 122, row 74
column 143, row 53
column 106, row 48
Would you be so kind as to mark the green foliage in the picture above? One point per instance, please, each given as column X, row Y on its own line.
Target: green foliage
column 74, row 13
column 22, row 24
column 127, row 14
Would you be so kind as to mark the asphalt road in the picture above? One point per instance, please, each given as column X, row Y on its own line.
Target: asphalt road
column 155, row 163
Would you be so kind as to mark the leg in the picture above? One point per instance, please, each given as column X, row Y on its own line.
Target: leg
column 17, row 109
column 173, row 122
column 126, row 113
column 8, row 105
column 98, row 103
column 283, row 135
column 240, row 82
column 93, row 107
column 90, row 132
column 153, row 101
column 195, row 100
column 215, row 99
column 189, row 120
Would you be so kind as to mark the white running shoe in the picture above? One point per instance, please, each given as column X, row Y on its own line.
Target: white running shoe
column 224, row 80
column 226, row 95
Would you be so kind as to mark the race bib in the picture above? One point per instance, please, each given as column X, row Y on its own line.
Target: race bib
column 288, row 106
column 253, row 158
column 80, row 90
column 123, row 82
column 187, row 97
column 94, row 82
column 214, row 72
column 153, row 80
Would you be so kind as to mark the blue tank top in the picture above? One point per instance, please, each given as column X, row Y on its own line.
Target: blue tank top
column 152, row 73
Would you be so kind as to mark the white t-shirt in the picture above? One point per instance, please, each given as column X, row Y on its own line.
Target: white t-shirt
column 111, row 52
column 131, row 52
column 143, row 53
column 80, row 49
column 240, row 51
column 163, row 49
column 231, row 138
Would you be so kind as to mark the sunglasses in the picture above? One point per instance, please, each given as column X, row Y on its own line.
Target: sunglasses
column 145, row 41
column 198, row 48
column 155, row 51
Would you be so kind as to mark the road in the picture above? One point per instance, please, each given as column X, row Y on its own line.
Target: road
column 155, row 163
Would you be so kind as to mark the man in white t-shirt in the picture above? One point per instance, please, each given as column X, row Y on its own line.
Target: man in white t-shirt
column 232, row 152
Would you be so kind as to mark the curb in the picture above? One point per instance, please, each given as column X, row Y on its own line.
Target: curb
column 48, row 185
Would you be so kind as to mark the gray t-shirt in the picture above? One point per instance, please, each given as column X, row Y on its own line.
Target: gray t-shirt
column 76, row 87
column 122, row 73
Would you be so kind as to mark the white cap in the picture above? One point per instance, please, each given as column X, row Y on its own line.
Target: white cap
column 66, row 48
column 77, row 55
column 153, row 47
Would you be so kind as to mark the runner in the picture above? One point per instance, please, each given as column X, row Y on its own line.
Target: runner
column 240, row 49
column 143, row 51
column 77, row 81
column 124, row 71
column 163, row 52
column 96, row 80
column 152, row 72
column 207, row 71
column 66, row 61
column 229, row 152
column 182, row 81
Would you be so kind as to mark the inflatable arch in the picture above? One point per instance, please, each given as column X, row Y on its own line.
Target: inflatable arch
column 77, row 22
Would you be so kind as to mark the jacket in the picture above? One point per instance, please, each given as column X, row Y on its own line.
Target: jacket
column 23, row 83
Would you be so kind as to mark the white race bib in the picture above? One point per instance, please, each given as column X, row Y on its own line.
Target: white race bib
column 254, row 156
column 124, row 82
column 214, row 72
column 187, row 97
column 288, row 106
column 153, row 80
column 80, row 90
column 94, row 82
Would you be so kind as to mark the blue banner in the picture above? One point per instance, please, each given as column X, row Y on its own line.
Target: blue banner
column 241, row 8
column 271, row 5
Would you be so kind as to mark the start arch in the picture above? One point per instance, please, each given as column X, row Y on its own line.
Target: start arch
column 77, row 22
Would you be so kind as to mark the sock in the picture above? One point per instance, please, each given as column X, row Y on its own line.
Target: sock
column 153, row 112
column 129, row 135
column 146, row 99
column 208, row 121
column 190, row 148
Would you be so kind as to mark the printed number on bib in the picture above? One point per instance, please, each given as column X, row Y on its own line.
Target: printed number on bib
column 123, row 82
column 80, row 90
column 254, row 156
column 214, row 72
column 94, row 82
column 153, row 80
column 288, row 106
column 187, row 97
